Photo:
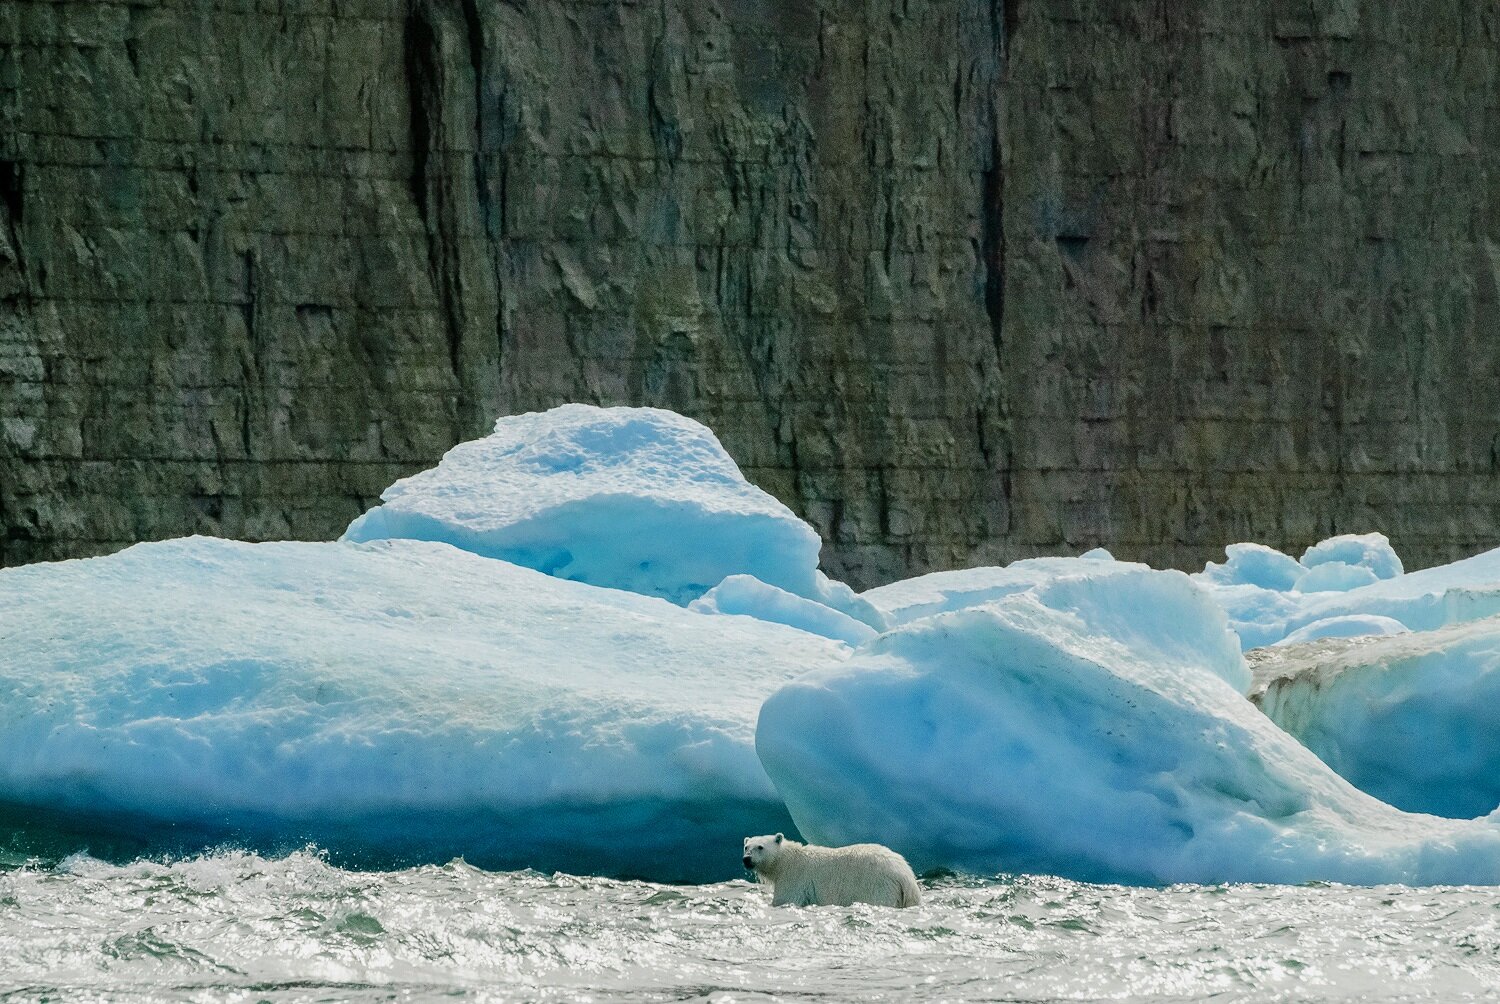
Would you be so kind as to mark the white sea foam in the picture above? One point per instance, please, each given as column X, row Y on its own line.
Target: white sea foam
column 238, row 927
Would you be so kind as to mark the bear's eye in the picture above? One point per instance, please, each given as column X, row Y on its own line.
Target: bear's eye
column 760, row 847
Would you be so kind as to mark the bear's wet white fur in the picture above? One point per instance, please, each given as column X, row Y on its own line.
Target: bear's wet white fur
column 808, row 875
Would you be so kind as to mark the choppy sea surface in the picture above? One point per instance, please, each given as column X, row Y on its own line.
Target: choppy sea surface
column 233, row 926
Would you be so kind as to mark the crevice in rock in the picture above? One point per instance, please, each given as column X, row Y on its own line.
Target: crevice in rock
column 491, row 182
column 245, row 436
column 138, row 12
column 474, row 37
column 10, row 190
column 1010, row 20
column 475, row 31
column 247, row 304
column 418, row 47
column 422, row 53
column 1146, row 279
column 491, row 216
column 454, row 132
column 883, row 502
column 664, row 130
column 991, row 424
column 1072, row 246
column 992, row 247
column 252, row 363
column 13, row 199
column 992, row 194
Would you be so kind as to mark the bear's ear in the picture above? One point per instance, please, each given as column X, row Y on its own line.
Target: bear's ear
column 779, row 838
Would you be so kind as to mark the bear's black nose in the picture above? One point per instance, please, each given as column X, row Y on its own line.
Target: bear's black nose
column 747, row 861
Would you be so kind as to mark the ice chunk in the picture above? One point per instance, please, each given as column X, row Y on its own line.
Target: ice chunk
column 1334, row 577
column 1423, row 600
column 1369, row 550
column 1259, row 616
column 1254, row 565
column 392, row 701
column 835, row 594
column 1447, row 594
column 630, row 498
column 1413, row 720
column 944, row 592
column 742, row 594
column 1085, row 728
column 1347, row 626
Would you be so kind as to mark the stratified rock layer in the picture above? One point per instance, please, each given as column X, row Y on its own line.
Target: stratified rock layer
column 957, row 280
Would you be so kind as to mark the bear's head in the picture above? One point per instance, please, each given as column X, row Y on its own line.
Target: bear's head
column 761, row 851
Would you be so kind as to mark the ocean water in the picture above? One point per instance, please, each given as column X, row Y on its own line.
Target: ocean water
column 233, row 926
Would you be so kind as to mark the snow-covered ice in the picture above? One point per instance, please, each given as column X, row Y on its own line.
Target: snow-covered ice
column 630, row 498
column 395, row 700
column 1093, row 727
column 1372, row 551
column 960, row 589
column 1254, row 565
column 1335, row 577
column 1351, row 576
column 1413, row 720
column 1447, row 594
column 1336, row 564
column 748, row 596
column 1345, row 626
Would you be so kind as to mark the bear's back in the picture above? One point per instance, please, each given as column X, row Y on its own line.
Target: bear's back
column 843, row 876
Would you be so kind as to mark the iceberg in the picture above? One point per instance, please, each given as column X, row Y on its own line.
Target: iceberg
column 1371, row 551
column 747, row 596
column 391, row 702
column 1334, row 577
column 1093, row 727
column 1412, row 719
column 1254, row 565
column 637, row 499
column 944, row 592
column 1431, row 598
column 1345, row 626
column 1336, row 564
column 1419, row 601
column 1259, row 616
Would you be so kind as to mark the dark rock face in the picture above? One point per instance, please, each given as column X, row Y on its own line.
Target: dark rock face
column 959, row 281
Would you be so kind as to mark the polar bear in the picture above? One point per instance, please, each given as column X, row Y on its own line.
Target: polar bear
column 806, row 875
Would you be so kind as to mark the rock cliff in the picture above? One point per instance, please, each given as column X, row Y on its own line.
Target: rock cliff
column 958, row 280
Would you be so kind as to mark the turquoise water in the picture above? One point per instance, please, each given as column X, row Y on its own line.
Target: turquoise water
column 237, row 927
